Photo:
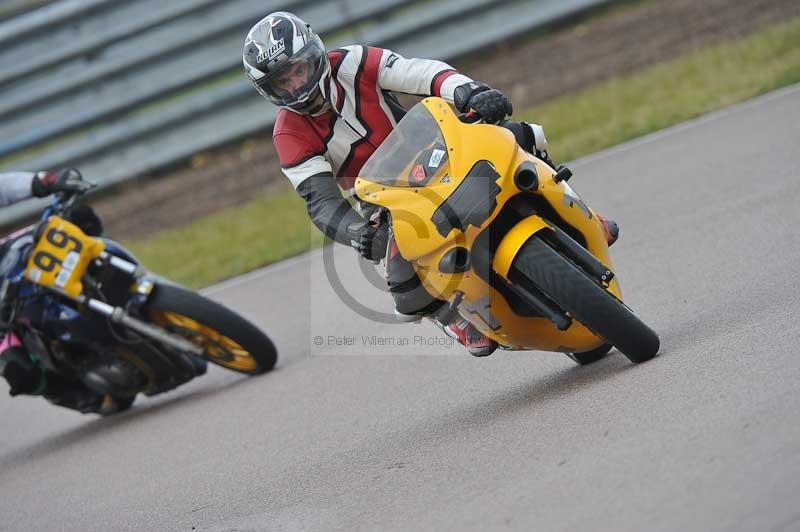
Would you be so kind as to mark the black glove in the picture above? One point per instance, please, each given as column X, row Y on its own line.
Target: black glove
column 69, row 180
column 22, row 374
column 491, row 104
column 370, row 241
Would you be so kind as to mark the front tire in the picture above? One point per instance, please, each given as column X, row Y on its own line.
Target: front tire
column 584, row 299
column 228, row 340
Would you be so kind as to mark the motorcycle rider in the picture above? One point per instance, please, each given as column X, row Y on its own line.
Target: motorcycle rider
column 21, row 371
column 335, row 109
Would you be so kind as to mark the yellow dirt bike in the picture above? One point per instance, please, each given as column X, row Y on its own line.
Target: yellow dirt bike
column 500, row 236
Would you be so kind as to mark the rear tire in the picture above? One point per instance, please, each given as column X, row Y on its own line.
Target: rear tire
column 117, row 405
column 584, row 299
column 590, row 357
column 229, row 340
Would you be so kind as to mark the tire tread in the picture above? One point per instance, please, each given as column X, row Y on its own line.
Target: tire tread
column 585, row 300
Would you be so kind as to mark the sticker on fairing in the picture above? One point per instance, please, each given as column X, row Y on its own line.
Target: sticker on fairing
column 418, row 173
column 63, row 278
column 34, row 274
column 71, row 260
column 436, row 158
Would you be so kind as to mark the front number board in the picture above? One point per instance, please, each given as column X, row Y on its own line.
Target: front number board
column 61, row 256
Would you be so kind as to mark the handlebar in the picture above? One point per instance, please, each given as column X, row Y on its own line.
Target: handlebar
column 64, row 200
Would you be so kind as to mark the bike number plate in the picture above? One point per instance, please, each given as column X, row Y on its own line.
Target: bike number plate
column 61, row 256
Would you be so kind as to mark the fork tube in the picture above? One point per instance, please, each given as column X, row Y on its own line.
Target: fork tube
column 118, row 315
column 120, row 264
column 578, row 254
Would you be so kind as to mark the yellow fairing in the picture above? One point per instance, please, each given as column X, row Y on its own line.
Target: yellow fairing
column 419, row 240
column 513, row 242
column 413, row 208
column 61, row 256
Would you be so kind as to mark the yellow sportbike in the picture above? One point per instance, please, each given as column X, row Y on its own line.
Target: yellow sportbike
column 499, row 235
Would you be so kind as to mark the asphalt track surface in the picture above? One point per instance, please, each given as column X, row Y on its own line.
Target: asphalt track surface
column 357, row 437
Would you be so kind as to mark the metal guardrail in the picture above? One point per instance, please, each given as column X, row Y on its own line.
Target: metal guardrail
column 17, row 8
column 206, row 59
column 131, row 96
column 134, row 55
column 125, row 22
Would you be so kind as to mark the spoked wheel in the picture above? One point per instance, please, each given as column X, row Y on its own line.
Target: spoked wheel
column 227, row 339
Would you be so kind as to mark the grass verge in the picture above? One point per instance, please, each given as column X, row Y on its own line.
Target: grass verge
column 660, row 96
column 275, row 226
column 268, row 228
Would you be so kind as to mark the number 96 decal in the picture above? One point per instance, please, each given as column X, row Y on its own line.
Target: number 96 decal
column 61, row 256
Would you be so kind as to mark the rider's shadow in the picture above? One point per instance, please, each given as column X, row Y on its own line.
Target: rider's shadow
column 434, row 433
column 99, row 426
column 570, row 381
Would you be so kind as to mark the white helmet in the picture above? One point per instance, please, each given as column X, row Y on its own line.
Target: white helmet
column 287, row 63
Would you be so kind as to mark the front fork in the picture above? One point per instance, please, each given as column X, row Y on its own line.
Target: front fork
column 537, row 227
column 144, row 283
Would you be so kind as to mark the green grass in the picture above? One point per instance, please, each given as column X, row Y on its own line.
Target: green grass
column 275, row 225
column 269, row 228
column 625, row 108
column 14, row 8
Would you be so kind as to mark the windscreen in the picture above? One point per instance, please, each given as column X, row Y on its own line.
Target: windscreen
column 412, row 155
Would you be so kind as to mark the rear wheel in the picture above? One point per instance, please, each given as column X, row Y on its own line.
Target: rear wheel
column 584, row 299
column 114, row 405
column 227, row 339
column 590, row 357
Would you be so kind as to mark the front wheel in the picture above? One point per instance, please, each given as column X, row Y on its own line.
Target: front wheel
column 227, row 339
column 584, row 299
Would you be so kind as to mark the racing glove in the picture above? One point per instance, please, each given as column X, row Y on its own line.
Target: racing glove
column 335, row 217
column 370, row 241
column 69, row 180
column 491, row 104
